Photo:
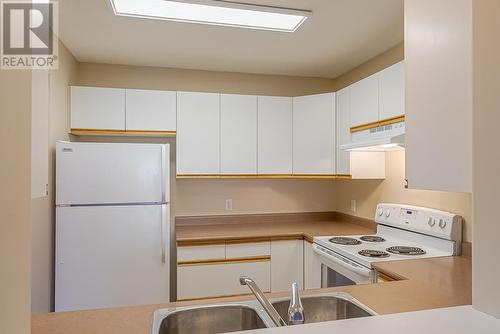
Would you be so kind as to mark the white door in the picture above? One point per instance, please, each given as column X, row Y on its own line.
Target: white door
column 343, row 108
column 97, row 108
column 111, row 256
column 198, row 133
column 275, row 135
column 392, row 91
column 238, row 134
column 364, row 101
column 314, row 134
column 151, row 110
column 108, row 173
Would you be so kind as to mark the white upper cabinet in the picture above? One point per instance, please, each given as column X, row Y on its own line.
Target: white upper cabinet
column 314, row 134
column 275, row 135
column 392, row 91
column 365, row 101
column 150, row 110
column 97, row 108
column 238, row 134
column 439, row 95
column 343, row 109
column 198, row 119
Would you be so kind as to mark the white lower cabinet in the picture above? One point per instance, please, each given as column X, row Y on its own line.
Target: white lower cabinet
column 287, row 264
column 200, row 253
column 245, row 250
column 220, row 279
column 274, row 265
column 312, row 268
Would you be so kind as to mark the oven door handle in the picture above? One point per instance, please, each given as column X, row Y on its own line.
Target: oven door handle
column 341, row 261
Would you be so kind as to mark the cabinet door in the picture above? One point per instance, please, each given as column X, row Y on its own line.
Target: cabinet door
column 97, row 108
column 312, row 268
column 222, row 278
column 314, row 134
column 238, row 134
column 275, row 135
column 392, row 91
column 198, row 121
column 150, row 110
column 287, row 265
column 364, row 101
column 343, row 107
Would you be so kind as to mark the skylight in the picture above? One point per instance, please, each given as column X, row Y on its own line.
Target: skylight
column 214, row 12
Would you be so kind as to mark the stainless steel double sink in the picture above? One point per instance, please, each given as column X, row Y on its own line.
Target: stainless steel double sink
column 241, row 316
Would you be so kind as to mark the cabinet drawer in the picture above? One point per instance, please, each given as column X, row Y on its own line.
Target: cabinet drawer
column 221, row 279
column 248, row 250
column 199, row 253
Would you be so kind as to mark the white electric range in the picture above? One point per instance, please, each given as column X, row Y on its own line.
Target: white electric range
column 403, row 232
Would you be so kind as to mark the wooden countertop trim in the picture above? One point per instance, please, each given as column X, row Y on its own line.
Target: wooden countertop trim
column 376, row 124
column 238, row 240
column 249, row 259
column 110, row 132
column 264, row 176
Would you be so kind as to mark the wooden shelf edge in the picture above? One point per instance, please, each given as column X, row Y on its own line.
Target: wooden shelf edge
column 250, row 259
column 127, row 133
column 388, row 121
column 266, row 176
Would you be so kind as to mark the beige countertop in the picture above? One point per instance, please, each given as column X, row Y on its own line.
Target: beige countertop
column 424, row 284
column 213, row 233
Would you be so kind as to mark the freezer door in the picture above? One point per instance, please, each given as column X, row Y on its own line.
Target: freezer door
column 110, row 256
column 110, row 173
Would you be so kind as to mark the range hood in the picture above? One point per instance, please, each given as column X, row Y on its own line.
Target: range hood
column 379, row 139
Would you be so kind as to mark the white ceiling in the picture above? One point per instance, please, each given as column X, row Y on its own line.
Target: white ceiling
column 340, row 35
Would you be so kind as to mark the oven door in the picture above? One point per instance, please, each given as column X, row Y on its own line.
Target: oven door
column 337, row 270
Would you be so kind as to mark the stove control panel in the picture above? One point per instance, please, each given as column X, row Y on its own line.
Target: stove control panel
column 427, row 221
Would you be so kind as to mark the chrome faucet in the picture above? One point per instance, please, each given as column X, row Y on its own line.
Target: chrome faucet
column 270, row 310
column 295, row 310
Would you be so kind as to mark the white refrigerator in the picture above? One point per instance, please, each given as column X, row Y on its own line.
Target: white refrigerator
column 112, row 225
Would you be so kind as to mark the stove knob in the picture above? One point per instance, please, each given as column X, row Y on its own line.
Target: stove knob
column 387, row 213
column 380, row 212
column 431, row 222
column 442, row 223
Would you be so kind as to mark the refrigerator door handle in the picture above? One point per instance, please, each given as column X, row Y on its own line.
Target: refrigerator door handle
column 163, row 174
column 163, row 230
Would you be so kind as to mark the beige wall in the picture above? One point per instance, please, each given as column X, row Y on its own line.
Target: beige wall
column 43, row 208
column 486, row 269
column 368, row 193
column 15, row 194
column 376, row 64
column 90, row 74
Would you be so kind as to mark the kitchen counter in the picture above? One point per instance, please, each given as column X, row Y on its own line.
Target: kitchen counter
column 457, row 320
column 301, row 228
column 424, row 283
